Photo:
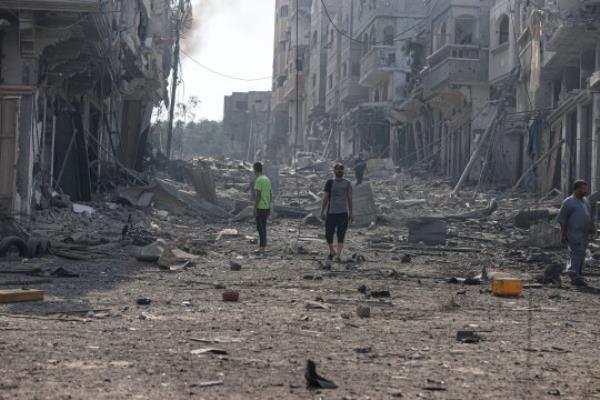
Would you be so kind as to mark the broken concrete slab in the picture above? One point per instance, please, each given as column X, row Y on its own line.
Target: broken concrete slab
column 203, row 181
column 363, row 201
column 544, row 235
column 168, row 197
column 429, row 230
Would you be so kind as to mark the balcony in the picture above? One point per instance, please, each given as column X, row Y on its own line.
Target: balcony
column 351, row 90
column 377, row 64
column 456, row 64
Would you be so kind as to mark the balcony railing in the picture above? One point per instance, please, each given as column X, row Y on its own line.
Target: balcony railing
column 379, row 61
column 456, row 64
column 458, row 51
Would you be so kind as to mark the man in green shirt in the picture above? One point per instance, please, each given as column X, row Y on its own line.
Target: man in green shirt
column 262, row 204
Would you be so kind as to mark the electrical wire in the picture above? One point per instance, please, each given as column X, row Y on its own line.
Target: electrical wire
column 221, row 74
column 396, row 37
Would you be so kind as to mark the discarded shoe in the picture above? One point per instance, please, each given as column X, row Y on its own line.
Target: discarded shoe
column 314, row 380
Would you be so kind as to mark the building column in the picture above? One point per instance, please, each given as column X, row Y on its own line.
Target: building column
column 564, row 156
column 595, row 184
column 580, row 144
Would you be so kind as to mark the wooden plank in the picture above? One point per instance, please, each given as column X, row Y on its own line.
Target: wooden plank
column 19, row 295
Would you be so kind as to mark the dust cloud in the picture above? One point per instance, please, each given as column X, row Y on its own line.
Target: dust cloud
column 203, row 13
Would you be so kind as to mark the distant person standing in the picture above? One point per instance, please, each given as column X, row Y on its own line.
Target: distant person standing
column 336, row 210
column 262, row 204
column 576, row 227
column 360, row 166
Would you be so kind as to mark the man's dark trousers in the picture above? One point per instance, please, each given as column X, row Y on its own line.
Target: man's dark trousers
column 261, row 225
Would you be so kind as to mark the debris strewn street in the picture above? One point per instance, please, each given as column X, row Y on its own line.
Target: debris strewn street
column 392, row 319
column 299, row 199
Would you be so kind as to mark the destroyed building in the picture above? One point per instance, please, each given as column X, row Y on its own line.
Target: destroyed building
column 78, row 82
column 478, row 90
column 246, row 123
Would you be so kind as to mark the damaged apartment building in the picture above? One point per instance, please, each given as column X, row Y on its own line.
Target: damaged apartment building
column 78, row 82
column 338, row 66
column 492, row 91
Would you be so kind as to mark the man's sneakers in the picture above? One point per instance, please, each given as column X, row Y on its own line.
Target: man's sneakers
column 579, row 281
column 331, row 256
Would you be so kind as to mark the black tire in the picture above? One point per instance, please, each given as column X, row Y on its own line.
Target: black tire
column 13, row 242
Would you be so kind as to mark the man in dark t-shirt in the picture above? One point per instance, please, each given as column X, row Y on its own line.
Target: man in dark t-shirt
column 336, row 210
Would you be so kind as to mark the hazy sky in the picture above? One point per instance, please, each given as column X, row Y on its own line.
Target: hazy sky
column 233, row 37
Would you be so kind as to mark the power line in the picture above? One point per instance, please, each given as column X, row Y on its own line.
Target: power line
column 221, row 74
column 396, row 37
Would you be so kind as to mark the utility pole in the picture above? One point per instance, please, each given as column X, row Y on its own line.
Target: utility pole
column 176, row 55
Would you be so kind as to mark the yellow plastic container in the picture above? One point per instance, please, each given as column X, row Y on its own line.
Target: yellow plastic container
column 507, row 287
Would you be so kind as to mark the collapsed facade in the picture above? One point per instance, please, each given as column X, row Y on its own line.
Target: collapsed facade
column 482, row 90
column 78, row 82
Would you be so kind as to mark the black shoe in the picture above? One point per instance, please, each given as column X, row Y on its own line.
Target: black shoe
column 579, row 282
column 330, row 257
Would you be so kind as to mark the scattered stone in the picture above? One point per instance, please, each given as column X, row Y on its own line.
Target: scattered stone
column 467, row 337
column 380, row 294
column 235, row 266
column 363, row 311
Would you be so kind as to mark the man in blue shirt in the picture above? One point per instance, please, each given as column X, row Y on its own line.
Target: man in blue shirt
column 576, row 226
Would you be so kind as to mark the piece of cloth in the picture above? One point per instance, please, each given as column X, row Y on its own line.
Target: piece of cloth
column 338, row 190
column 577, row 253
column 336, row 223
column 263, row 185
column 261, row 226
column 576, row 214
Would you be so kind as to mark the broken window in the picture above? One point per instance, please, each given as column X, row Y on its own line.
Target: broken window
column 284, row 11
column 465, row 30
column 388, row 36
column 356, row 69
column 344, row 70
column 330, row 81
column 503, row 29
column 241, row 105
column 315, row 39
column 314, row 80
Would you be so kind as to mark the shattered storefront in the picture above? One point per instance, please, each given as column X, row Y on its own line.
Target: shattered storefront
column 78, row 82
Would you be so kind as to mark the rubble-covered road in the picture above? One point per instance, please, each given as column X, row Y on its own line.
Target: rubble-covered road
column 96, row 336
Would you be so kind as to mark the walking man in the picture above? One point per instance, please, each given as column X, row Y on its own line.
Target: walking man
column 576, row 226
column 262, row 204
column 336, row 210
column 360, row 166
